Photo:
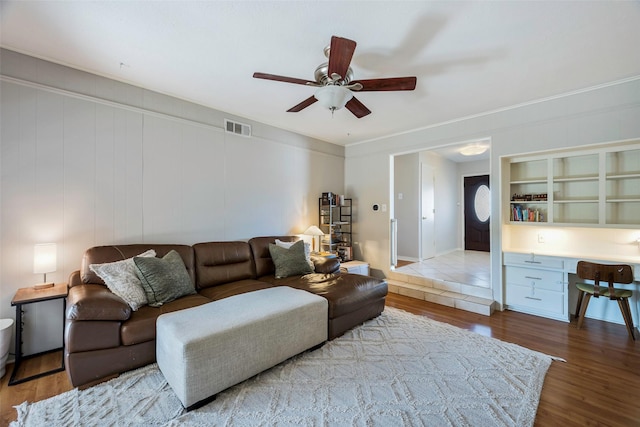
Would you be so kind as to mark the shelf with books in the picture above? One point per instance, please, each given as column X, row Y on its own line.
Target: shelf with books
column 335, row 220
column 528, row 212
column 597, row 186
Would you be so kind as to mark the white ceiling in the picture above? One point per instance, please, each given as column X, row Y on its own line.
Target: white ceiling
column 470, row 57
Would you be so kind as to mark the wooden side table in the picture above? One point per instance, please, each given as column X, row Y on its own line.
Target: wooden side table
column 30, row 296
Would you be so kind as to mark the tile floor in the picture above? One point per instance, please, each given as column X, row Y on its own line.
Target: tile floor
column 467, row 267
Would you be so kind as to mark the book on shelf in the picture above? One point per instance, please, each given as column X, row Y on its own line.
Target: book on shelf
column 329, row 198
column 525, row 214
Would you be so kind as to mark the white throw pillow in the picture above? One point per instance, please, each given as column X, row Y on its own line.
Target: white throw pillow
column 121, row 279
column 307, row 251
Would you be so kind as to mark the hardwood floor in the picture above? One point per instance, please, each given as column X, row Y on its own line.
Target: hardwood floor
column 31, row 391
column 599, row 385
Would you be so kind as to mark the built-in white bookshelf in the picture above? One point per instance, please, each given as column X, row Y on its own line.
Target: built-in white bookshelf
column 593, row 187
column 623, row 187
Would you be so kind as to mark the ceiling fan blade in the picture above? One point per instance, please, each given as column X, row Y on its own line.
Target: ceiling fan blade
column 357, row 108
column 393, row 83
column 283, row 79
column 304, row 104
column 340, row 55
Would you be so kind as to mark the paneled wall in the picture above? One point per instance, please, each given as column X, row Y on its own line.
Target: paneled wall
column 90, row 161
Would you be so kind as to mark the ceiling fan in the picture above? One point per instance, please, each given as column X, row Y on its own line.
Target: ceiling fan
column 334, row 80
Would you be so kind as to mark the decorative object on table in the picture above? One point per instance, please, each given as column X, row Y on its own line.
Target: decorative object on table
column 315, row 234
column 397, row 366
column 44, row 261
column 345, row 253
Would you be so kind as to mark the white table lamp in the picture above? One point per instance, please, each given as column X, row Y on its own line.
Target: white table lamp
column 44, row 261
column 315, row 232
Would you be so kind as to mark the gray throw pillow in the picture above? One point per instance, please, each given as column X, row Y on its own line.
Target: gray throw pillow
column 163, row 279
column 121, row 279
column 307, row 251
column 289, row 262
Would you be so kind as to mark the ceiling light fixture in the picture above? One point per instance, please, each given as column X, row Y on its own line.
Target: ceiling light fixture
column 473, row 150
column 333, row 97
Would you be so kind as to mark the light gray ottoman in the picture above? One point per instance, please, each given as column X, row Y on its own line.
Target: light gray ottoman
column 203, row 350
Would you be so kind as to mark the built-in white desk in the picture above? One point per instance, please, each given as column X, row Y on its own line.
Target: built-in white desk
column 543, row 284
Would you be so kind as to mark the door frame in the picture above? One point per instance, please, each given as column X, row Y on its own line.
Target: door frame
column 427, row 148
column 462, row 206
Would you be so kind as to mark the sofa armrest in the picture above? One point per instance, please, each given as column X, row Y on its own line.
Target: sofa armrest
column 75, row 279
column 326, row 265
column 95, row 302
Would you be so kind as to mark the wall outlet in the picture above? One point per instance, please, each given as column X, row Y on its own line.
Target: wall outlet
column 540, row 238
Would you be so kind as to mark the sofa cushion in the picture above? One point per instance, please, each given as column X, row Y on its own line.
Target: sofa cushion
column 102, row 254
column 121, row 279
column 92, row 335
column 95, row 302
column 326, row 265
column 163, row 279
column 345, row 292
column 141, row 326
column 261, row 256
column 291, row 261
column 218, row 263
column 215, row 293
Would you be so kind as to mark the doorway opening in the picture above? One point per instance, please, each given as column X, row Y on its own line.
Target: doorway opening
column 427, row 206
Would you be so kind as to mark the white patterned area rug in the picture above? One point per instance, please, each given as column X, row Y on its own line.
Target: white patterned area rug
column 396, row 370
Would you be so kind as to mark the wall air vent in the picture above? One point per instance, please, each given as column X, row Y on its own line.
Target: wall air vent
column 237, row 128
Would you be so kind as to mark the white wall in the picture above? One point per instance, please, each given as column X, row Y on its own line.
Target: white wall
column 90, row 161
column 446, row 204
column 607, row 113
column 449, row 196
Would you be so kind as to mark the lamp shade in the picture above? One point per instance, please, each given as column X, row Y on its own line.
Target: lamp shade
column 44, row 258
column 313, row 231
column 316, row 233
column 333, row 97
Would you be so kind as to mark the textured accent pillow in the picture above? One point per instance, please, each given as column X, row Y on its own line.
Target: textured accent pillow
column 163, row 279
column 289, row 262
column 307, row 251
column 121, row 279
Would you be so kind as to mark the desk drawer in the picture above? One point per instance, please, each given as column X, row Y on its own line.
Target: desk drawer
column 538, row 300
column 550, row 280
column 533, row 260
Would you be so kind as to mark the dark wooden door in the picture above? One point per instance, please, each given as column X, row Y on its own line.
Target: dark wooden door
column 477, row 207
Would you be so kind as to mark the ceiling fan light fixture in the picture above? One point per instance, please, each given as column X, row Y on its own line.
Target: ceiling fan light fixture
column 333, row 97
column 473, row 150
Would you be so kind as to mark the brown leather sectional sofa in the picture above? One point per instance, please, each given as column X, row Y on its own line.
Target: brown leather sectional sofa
column 103, row 336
